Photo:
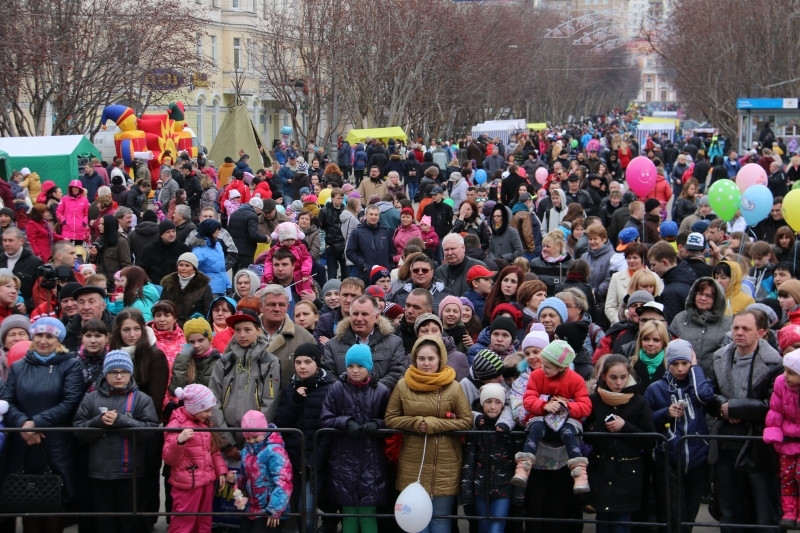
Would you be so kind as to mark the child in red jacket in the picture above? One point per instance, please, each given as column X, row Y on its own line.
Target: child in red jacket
column 557, row 398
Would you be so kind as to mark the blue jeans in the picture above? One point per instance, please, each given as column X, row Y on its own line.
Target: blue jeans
column 442, row 506
column 610, row 526
column 763, row 488
column 412, row 190
column 567, row 435
column 287, row 199
column 497, row 508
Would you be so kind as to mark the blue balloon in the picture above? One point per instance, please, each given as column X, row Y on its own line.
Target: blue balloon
column 756, row 204
column 480, row 176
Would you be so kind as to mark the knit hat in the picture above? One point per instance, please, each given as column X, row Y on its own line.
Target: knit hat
column 309, row 349
column 297, row 206
column 269, row 205
column 792, row 361
column 637, row 297
column 117, row 360
column 234, row 194
column 536, row 338
column 772, row 316
column 359, row 354
column 50, row 325
column 375, row 292
column 208, row 227
column 407, row 211
column 190, row 258
column 304, row 190
column 493, row 390
column 331, row 285
column 257, row 203
column 788, row 335
column 253, row 419
column 347, row 187
column 11, row 322
column 197, row 325
column 164, row 226
column 450, row 299
column 149, row 216
column 700, row 226
column 8, row 212
column 426, row 317
column 651, row 204
column 792, row 287
column 377, row 273
column 678, row 350
column 66, row 292
column 512, row 310
column 560, row 353
column 504, row 323
column 467, row 303
column 354, row 194
column 286, row 231
column 574, row 333
column 393, row 310
column 196, row 398
column 556, row 305
column 426, row 220
column 91, row 268
column 487, row 365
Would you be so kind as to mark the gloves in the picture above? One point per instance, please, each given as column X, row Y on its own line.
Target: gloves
column 773, row 435
column 353, row 429
column 370, row 429
column 502, row 427
column 479, row 421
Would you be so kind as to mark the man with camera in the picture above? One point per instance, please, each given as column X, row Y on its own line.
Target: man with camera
column 21, row 262
column 64, row 255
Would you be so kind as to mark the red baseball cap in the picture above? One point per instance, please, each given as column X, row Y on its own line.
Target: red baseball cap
column 479, row 271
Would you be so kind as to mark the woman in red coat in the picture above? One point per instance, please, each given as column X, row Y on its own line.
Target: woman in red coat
column 39, row 232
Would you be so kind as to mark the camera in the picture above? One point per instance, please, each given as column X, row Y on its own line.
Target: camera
column 99, row 244
column 48, row 276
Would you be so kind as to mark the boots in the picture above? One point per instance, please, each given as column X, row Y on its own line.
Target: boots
column 524, row 463
column 789, row 519
column 577, row 467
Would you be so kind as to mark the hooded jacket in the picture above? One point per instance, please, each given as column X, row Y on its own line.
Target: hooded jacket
column 194, row 463
column 73, row 213
column 401, row 237
column 359, row 472
column 388, row 356
column 255, row 387
column 145, row 303
column 442, row 455
column 211, row 262
column 143, row 234
column 736, row 300
column 194, row 298
column 667, row 391
column 705, row 330
column 110, row 452
column 505, row 242
column 348, row 222
column 266, row 476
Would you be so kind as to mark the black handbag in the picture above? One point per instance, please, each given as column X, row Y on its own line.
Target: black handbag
column 32, row 493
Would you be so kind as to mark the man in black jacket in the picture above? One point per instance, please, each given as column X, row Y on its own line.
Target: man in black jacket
column 243, row 227
column 678, row 278
column 330, row 223
column 510, row 185
column 441, row 217
column 193, row 188
column 160, row 257
column 21, row 262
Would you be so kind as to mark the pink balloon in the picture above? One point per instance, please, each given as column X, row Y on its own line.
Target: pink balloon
column 749, row 175
column 541, row 175
column 641, row 176
column 18, row 351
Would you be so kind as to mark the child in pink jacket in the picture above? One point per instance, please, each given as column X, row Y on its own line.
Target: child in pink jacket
column 73, row 213
column 783, row 421
column 289, row 238
column 195, row 460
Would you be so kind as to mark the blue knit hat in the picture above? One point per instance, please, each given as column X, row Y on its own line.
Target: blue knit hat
column 117, row 360
column 50, row 325
column 359, row 354
column 556, row 305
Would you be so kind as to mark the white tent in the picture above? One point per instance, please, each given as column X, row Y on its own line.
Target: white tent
column 647, row 129
column 503, row 131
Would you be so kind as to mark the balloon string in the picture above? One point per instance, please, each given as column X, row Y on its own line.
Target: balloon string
column 424, row 448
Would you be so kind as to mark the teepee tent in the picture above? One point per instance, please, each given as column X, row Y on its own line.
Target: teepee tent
column 237, row 133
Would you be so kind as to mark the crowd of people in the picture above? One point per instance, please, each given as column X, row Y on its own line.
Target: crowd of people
column 520, row 290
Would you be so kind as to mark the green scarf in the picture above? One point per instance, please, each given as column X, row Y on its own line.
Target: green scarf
column 652, row 363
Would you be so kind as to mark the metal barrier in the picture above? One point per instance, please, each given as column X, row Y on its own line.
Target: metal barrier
column 487, row 515
column 302, row 514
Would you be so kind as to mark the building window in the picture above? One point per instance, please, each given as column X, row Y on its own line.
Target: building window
column 648, row 96
column 235, row 4
column 649, row 79
column 214, row 50
column 237, row 53
column 663, row 96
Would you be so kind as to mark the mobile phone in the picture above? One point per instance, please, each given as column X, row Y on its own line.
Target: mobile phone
column 609, row 418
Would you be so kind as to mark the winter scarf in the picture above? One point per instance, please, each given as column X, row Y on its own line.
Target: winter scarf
column 419, row 381
column 652, row 363
column 615, row 399
column 558, row 259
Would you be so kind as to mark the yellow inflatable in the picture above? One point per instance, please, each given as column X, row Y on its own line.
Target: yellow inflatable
column 324, row 196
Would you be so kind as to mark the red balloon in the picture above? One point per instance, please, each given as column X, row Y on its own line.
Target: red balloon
column 541, row 175
column 18, row 351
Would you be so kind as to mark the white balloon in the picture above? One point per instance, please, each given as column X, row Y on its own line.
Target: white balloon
column 413, row 509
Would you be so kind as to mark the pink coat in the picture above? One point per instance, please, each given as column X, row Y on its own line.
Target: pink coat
column 401, row 237
column 193, row 463
column 73, row 213
column 783, row 418
column 302, row 264
column 431, row 239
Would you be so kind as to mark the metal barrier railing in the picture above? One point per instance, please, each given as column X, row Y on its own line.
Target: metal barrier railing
column 136, row 434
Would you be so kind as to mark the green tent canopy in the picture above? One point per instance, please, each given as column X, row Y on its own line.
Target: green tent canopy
column 54, row 158
column 237, row 133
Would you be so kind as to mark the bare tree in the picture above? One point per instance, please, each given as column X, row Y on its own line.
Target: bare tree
column 66, row 59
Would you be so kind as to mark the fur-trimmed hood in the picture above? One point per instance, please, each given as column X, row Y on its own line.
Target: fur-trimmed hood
column 385, row 327
column 172, row 284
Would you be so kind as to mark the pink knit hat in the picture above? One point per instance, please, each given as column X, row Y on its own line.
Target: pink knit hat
column 196, row 398
column 447, row 300
column 253, row 419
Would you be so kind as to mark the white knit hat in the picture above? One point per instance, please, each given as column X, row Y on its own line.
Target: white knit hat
column 493, row 390
column 190, row 258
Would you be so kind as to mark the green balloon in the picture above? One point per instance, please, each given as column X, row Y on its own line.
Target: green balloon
column 724, row 197
column 449, row 201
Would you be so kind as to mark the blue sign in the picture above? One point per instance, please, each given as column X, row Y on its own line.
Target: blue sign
column 766, row 103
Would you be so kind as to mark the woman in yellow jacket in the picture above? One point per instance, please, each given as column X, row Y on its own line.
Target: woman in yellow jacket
column 729, row 275
column 429, row 401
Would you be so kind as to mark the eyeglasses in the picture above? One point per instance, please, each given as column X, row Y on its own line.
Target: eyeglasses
column 705, row 295
column 120, row 373
column 571, row 306
column 420, row 270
